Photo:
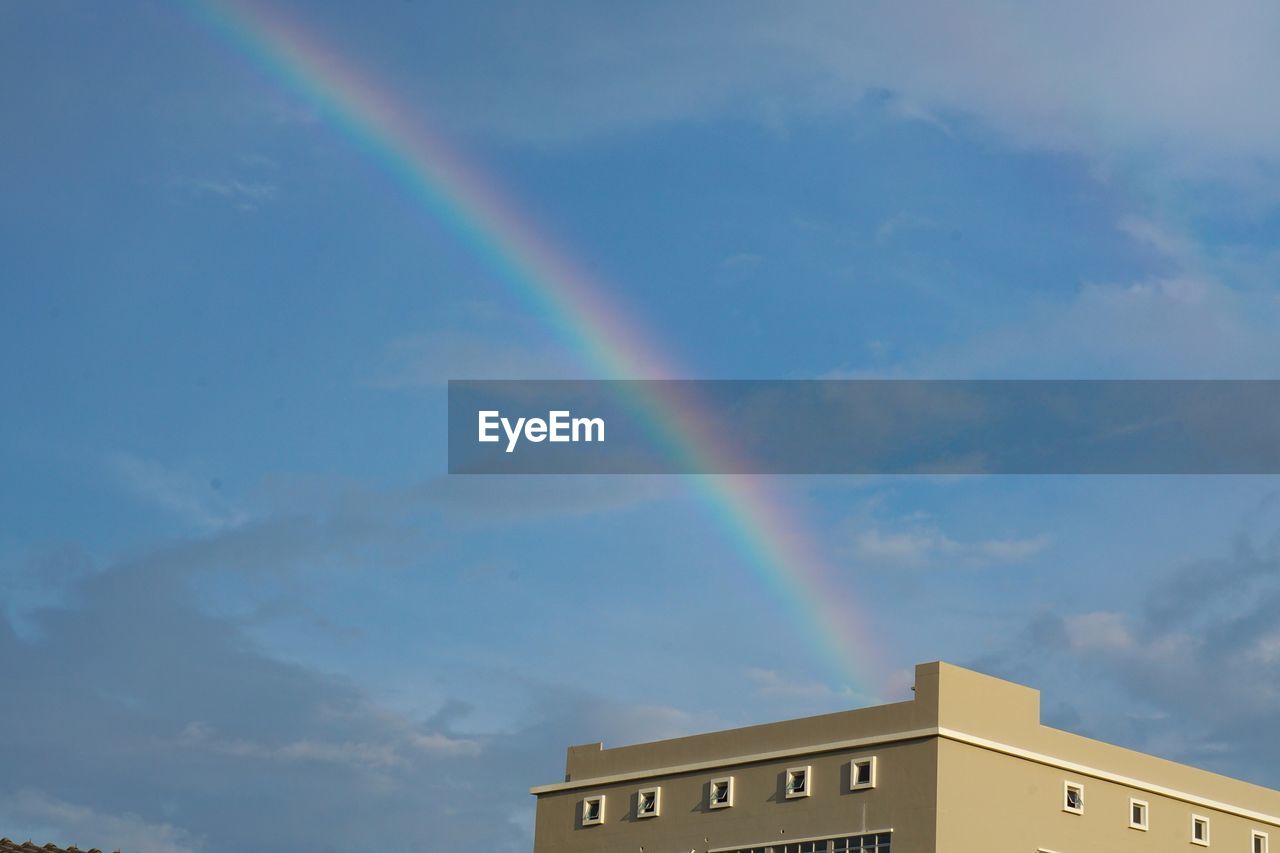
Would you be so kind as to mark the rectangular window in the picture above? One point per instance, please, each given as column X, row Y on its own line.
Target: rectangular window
column 876, row 842
column 647, row 802
column 1073, row 797
column 799, row 782
column 862, row 773
column 1259, row 842
column 1200, row 830
column 807, row 847
column 1138, row 814
column 720, row 793
column 593, row 810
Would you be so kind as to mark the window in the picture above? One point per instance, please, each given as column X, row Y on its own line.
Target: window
column 798, row 782
column 1259, row 842
column 593, row 810
column 876, row 842
column 720, row 793
column 1200, row 830
column 1073, row 797
column 862, row 773
column 1138, row 814
column 647, row 801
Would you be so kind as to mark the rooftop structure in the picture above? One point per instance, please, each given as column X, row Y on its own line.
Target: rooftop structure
column 963, row 767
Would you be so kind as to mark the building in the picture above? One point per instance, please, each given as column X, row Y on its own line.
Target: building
column 9, row 846
column 963, row 767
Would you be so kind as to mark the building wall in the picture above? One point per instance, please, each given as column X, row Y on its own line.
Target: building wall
column 964, row 767
column 589, row 761
column 991, row 801
column 904, row 800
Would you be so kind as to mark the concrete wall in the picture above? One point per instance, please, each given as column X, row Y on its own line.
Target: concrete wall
column 1012, row 791
column 903, row 800
column 589, row 761
column 964, row 767
column 994, row 802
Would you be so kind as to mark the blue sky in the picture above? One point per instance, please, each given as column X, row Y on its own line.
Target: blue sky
column 242, row 605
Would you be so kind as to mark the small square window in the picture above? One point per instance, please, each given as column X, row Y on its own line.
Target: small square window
column 1073, row 798
column 720, row 793
column 593, row 810
column 799, row 783
column 862, row 773
column 1138, row 814
column 1200, row 830
column 648, row 801
column 1259, row 842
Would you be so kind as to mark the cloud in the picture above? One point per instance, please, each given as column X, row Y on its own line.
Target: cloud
column 899, row 223
column 246, row 195
column 1205, row 318
column 915, row 541
column 774, row 684
column 196, row 500
column 229, row 748
column 1180, row 82
column 489, row 499
column 1187, row 673
column 1181, row 326
column 923, row 545
column 1174, row 246
column 1100, row 631
column 76, row 823
column 442, row 744
column 740, row 266
column 395, row 750
column 431, row 360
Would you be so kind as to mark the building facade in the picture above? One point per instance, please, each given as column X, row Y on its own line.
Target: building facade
column 963, row 767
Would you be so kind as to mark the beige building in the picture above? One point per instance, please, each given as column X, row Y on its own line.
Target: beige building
column 963, row 767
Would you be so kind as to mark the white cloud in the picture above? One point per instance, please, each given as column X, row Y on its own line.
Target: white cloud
column 897, row 224
column 395, row 750
column 437, row 743
column 1184, row 674
column 1209, row 315
column 237, row 750
column 1143, row 230
column 1102, row 630
column 922, row 545
column 1191, row 323
column 87, row 827
column 1183, row 82
column 772, row 683
column 430, row 360
column 497, row 499
column 246, row 195
column 244, row 192
column 741, row 265
column 196, row 500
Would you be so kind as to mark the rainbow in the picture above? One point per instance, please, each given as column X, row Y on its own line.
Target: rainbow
column 772, row 540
